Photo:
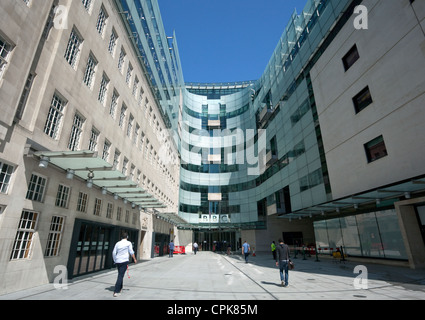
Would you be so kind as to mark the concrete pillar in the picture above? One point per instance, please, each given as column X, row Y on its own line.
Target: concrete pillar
column 410, row 230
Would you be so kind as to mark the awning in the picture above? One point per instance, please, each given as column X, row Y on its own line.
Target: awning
column 87, row 166
column 377, row 198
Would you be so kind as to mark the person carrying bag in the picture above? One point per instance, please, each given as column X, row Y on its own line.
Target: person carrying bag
column 283, row 262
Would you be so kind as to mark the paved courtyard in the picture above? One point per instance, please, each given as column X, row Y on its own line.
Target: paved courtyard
column 208, row 276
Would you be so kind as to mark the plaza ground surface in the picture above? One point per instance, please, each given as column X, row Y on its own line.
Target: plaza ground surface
column 209, row 276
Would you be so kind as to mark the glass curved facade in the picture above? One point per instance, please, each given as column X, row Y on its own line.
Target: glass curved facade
column 255, row 149
column 249, row 149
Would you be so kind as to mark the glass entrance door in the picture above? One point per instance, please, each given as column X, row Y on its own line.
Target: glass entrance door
column 93, row 249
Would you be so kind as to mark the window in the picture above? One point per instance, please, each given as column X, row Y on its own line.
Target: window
column 82, row 202
column 55, row 116
column 122, row 115
column 5, row 49
column 119, row 213
column 127, row 216
column 130, row 125
column 129, row 74
column 90, row 71
column 94, row 137
column 376, row 149
column 362, row 100
column 55, row 236
column 74, row 47
column 97, row 207
column 101, row 21
column 135, row 87
column 114, row 103
column 109, row 210
column 22, row 245
column 87, row 5
column 116, row 159
column 77, row 129
column 103, row 89
column 62, row 196
column 112, row 42
column 350, row 58
column 124, row 166
column 121, row 59
column 106, row 148
column 5, row 175
column 36, row 188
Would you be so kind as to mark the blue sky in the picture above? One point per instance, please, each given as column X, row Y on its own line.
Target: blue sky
column 226, row 40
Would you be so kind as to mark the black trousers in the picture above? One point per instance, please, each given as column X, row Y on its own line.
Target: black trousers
column 122, row 268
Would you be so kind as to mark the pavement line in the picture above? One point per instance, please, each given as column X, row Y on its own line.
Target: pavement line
column 246, row 275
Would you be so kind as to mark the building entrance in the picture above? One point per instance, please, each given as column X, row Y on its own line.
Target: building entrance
column 217, row 241
column 92, row 245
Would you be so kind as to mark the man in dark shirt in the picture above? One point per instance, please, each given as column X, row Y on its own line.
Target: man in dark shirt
column 282, row 261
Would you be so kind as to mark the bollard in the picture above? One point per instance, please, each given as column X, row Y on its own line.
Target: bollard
column 304, row 258
column 317, row 255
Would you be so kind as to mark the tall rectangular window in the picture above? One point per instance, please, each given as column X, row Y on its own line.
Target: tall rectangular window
column 121, row 60
column 116, row 159
column 55, row 236
column 103, row 89
column 129, row 74
column 77, row 129
column 101, row 21
column 87, row 5
column 130, row 125
column 5, row 49
column 375, row 149
column 114, row 103
column 36, row 188
column 119, row 213
column 90, row 72
column 82, row 202
column 350, row 58
column 5, row 175
column 362, row 100
column 94, row 137
column 112, row 42
column 55, row 116
column 22, row 245
column 97, row 207
column 73, row 49
column 62, row 196
column 106, row 150
column 122, row 115
column 109, row 210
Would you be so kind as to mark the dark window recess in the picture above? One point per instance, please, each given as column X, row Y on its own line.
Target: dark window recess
column 362, row 100
column 350, row 58
column 376, row 149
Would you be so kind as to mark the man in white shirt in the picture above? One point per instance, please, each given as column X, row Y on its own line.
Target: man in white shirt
column 121, row 253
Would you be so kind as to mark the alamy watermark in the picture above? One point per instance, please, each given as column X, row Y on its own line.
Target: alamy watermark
column 361, row 21
column 361, row 281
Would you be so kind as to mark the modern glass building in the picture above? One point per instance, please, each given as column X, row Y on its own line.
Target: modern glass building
column 254, row 159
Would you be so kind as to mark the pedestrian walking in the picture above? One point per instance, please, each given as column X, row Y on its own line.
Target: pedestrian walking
column 246, row 249
column 195, row 247
column 121, row 253
column 282, row 261
column 171, row 247
column 273, row 246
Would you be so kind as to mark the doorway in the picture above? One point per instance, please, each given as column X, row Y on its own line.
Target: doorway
column 216, row 241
